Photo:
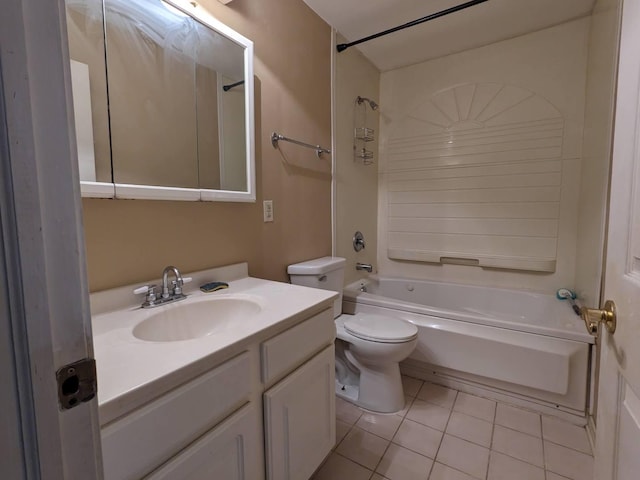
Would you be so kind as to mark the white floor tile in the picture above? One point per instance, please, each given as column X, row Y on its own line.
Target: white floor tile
column 363, row 447
column 470, row 428
column 347, row 412
column 442, row 472
column 337, row 467
column 408, row 401
column 376, row 476
column 384, row 426
column 419, row 438
column 567, row 462
column 342, row 429
column 429, row 414
column 518, row 445
column 518, row 419
column 400, row 463
column 411, row 385
column 432, row 393
column 566, row 434
column 502, row 467
column 464, row 456
column 475, row 406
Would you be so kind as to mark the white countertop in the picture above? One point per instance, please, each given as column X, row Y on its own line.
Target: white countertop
column 132, row 372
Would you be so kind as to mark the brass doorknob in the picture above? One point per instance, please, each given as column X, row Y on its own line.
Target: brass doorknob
column 593, row 316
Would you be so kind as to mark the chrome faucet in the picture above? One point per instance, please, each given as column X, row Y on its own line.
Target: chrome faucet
column 176, row 284
column 364, row 266
column 170, row 292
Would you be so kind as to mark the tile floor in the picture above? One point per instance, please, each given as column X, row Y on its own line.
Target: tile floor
column 443, row 434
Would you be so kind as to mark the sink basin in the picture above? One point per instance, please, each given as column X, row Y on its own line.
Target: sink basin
column 195, row 318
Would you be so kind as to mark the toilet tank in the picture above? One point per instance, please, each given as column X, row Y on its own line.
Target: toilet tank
column 326, row 273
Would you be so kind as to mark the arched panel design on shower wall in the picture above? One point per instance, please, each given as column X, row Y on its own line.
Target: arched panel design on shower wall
column 474, row 177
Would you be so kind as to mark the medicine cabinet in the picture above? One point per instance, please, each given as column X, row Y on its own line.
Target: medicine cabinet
column 163, row 101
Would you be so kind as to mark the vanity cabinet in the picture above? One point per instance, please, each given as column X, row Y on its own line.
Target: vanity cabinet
column 137, row 443
column 231, row 451
column 273, row 400
column 299, row 417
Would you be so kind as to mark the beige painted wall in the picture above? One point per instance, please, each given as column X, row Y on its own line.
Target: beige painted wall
column 598, row 127
column 356, row 184
column 131, row 241
column 552, row 63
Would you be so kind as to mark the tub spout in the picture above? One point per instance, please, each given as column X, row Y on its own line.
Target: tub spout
column 364, row 266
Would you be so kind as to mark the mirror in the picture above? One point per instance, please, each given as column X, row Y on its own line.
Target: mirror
column 167, row 91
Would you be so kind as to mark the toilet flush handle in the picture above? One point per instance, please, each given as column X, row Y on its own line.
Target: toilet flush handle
column 322, row 278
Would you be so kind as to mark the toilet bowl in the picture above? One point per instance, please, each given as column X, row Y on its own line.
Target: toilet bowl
column 369, row 347
column 374, row 345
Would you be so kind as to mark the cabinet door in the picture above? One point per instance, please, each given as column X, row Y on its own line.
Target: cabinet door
column 299, row 416
column 231, row 451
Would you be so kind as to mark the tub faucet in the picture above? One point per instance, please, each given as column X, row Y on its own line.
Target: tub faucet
column 176, row 284
column 364, row 266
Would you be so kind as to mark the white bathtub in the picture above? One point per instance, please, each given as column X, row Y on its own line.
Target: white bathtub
column 525, row 348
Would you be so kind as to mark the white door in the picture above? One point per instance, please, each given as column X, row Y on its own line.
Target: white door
column 617, row 455
column 45, row 315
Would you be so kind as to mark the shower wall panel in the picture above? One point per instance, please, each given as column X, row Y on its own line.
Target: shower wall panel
column 480, row 158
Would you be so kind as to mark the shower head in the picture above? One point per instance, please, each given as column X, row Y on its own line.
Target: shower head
column 372, row 104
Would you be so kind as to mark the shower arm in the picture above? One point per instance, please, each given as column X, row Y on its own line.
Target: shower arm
column 343, row 46
column 360, row 100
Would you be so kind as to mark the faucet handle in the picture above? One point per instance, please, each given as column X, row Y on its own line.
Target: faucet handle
column 145, row 289
column 177, row 285
column 150, row 291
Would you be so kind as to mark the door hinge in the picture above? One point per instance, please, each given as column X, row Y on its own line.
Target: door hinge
column 77, row 383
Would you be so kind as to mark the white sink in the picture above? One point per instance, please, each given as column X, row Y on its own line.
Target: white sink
column 196, row 318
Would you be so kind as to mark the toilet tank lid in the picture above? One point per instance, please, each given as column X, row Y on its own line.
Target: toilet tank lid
column 317, row 266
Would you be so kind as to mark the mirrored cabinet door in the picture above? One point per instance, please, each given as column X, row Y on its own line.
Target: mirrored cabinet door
column 85, row 29
column 163, row 95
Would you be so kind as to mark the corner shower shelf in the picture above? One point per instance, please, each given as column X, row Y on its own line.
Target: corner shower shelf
column 365, row 155
column 365, row 134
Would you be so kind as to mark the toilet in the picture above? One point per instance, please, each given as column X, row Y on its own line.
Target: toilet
column 369, row 347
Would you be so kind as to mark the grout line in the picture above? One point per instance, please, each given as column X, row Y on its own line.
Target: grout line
column 544, row 453
column 493, row 429
column 455, row 469
column 520, row 431
column 567, row 447
column 519, row 459
column 443, row 433
column 353, row 461
column 344, row 436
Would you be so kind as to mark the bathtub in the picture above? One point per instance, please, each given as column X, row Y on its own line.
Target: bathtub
column 524, row 348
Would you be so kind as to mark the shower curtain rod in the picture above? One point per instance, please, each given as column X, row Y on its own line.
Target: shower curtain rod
column 343, row 46
column 226, row 88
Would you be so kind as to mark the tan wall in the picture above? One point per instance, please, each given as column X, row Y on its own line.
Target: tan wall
column 356, row 184
column 130, row 241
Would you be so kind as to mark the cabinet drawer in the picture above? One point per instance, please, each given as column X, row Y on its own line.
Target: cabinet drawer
column 286, row 351
column 231, row 451
column 139, row 442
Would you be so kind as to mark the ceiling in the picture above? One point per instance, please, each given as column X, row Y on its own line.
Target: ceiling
column 473, row 27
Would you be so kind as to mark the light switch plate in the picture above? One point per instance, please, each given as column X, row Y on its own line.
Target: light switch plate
column 267, row 210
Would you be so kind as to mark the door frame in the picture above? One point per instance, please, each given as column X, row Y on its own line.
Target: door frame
column 43, row 278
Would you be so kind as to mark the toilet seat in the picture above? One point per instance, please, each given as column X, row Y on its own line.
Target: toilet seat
column 379, row 328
